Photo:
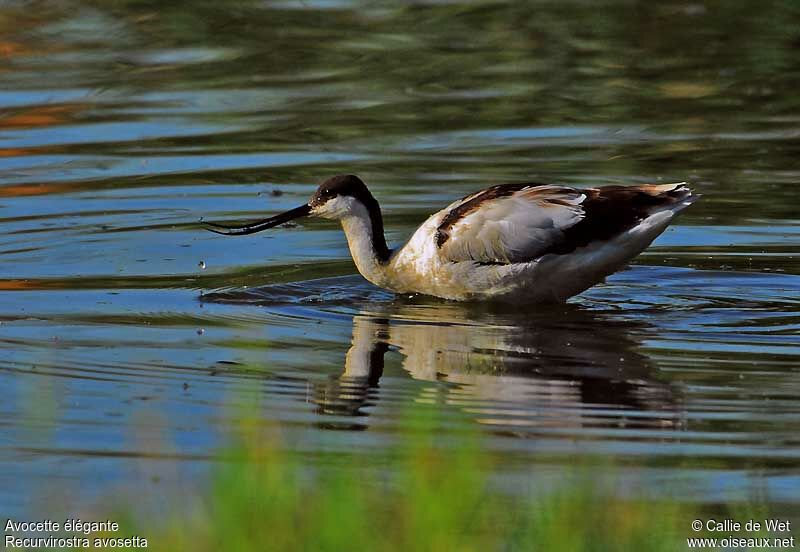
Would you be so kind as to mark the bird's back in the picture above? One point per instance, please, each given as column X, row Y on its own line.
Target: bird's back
column 533, row 242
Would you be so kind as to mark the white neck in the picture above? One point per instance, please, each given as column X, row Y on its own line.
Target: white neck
column 357, row 227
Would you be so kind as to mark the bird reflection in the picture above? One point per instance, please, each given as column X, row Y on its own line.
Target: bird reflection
column 560, row 368
column 551, row 369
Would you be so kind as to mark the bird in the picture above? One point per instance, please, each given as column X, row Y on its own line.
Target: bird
column 520, row 243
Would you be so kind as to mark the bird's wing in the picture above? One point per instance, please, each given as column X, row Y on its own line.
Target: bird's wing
column 515, row 223
column 508, row 223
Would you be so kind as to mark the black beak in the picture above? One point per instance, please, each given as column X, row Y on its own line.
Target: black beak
column 302, row 211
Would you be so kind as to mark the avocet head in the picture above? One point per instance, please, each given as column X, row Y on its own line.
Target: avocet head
column 339, row 197
column 336, row 198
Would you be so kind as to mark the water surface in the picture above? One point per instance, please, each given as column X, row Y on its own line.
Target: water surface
column 127, row 331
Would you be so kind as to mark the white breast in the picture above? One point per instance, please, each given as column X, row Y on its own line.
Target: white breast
column 417, row 265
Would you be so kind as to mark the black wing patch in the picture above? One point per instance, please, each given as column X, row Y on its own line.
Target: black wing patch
column 612, row 210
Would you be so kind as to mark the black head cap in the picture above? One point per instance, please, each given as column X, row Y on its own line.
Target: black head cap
column 342, row 185
column 349, row 185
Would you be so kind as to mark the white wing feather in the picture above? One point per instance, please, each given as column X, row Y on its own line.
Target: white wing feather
column 514, row 228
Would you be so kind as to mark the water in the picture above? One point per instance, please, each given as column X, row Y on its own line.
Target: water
column 127, row 331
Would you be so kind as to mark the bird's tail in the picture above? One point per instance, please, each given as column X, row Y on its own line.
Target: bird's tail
column 673, row 197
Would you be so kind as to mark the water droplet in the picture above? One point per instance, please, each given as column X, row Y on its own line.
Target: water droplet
column 202, row 265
